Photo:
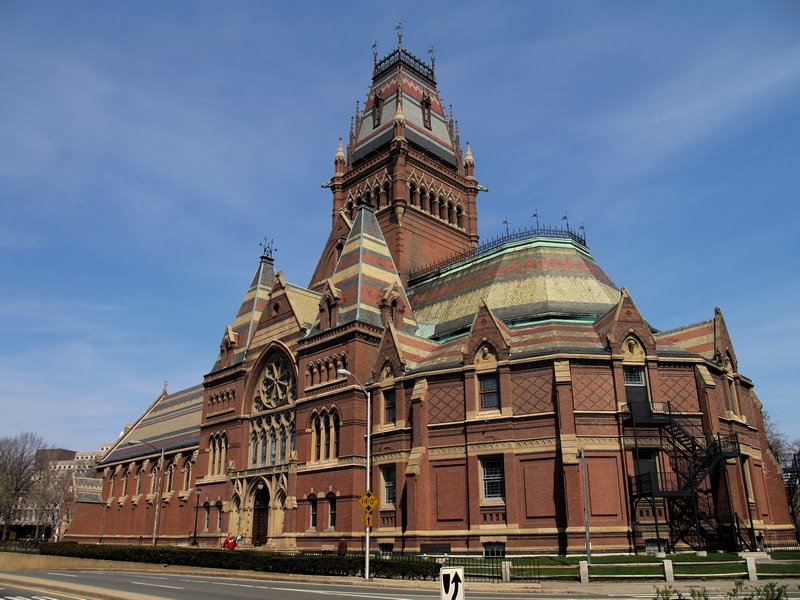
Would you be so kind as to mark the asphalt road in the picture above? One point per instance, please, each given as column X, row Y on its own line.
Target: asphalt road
column 191, row 587
column 130, row 585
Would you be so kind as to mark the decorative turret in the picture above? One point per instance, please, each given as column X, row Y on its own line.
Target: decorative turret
column 403, row 160
column 469, row 164
column 338, row 160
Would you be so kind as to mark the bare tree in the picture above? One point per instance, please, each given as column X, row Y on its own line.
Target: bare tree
column 17, row 469
column 45, row 498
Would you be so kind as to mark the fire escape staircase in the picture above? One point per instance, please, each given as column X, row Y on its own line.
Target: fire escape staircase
column 693, row 518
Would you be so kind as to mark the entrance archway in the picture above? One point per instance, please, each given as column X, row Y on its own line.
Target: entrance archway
column 260, row 532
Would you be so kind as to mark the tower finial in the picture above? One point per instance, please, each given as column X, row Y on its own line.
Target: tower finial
column 399, row 29
column 339, row 152
column 468, row 159
column 375, row 53
column 433, row 58
column 269, row 248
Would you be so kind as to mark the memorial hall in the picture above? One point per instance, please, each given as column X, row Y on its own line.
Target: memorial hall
column 495, row 396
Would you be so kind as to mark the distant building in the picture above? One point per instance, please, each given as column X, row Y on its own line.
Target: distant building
column 36, row 515
column 505, row 378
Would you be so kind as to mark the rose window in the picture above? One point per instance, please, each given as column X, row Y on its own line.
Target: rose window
column 276, row 386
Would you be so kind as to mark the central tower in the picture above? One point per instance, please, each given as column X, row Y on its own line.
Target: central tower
column 404, row 159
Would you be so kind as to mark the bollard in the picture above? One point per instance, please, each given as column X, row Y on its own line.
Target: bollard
column 505, row 568
column 752, row 575
column 669, row 574
column 584, row 570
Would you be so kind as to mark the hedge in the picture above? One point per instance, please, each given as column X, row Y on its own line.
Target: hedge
column 249, row 560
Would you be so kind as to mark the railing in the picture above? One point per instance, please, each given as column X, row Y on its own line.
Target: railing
column 652, row 484
column 495, row 243
column 401, row 54
column 21, row 545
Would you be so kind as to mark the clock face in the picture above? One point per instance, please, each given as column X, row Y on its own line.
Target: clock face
column 276, row 386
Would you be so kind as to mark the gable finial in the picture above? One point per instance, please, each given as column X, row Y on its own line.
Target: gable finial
column 375, row 53
column 566, row 218
column 535, row 215
column 269, row 248
column 583, row 230
column 505, row 222
column 399, row 29
column 433, row 58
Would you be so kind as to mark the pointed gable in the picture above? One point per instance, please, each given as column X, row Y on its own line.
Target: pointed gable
column 623, row 322
column 239, row 335
column 487, row 329
column 365, row 273
column 723, row 346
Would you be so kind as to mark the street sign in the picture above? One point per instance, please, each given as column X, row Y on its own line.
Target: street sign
column 368, row 519
column 452, row 583
column 368, row 501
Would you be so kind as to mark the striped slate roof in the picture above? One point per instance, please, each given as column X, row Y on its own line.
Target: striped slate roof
column 521, row 280
column 556, row 336
column 697, row 339
column 88, row 489
column 401, row 72
column 365, row 273
column 253, row 304
column 171, row 422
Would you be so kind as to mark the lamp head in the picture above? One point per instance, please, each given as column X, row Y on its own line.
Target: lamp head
column 344, row 372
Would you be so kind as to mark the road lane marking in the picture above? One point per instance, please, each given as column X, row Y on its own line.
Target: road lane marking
column 160, row 585
column 63, row 574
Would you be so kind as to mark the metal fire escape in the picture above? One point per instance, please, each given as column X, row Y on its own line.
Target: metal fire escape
column 791, row 480
column 692, row 513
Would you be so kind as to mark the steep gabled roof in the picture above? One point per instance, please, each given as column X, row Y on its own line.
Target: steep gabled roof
column 171, row 421
column 255, row 300
column 697, row 338
column 365, row 272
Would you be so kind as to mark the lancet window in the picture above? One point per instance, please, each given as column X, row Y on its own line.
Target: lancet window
column 325, row 436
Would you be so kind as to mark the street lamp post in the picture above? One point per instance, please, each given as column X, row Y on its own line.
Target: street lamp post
column 196, row 510
column 347, row 373
column 158, row 486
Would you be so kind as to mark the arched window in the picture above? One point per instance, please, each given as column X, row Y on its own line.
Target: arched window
column 170, row 477
column 154, row 479
column 263, row 448
column 283, row 446
column 206, row 516
column 317, row 433
column 218, row 506
column 254, row 451
column 331, row 498
column 273, row 442
column 312, row 504
column 335, row 435
column 327, row 435
column 291, row 438
column 187, row 474
column 139, row 477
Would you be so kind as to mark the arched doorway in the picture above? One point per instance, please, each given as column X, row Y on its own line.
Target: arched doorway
column 260, row 532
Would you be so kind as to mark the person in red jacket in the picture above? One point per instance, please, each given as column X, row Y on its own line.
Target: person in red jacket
column 229, row 543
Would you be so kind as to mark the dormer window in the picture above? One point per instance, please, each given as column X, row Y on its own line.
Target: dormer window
column 425, row 105
column 377, row 109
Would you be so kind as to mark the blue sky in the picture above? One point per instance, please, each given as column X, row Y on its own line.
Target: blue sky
column 148, row 147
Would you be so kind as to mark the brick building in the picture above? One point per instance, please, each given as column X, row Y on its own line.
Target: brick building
column 504, row 378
